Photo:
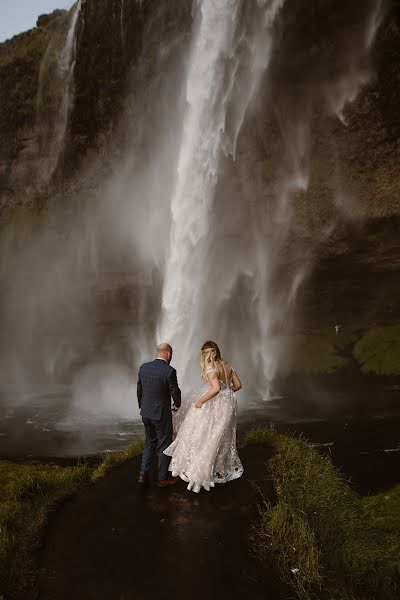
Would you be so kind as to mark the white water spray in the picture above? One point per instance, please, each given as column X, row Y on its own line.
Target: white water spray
column 212, row 76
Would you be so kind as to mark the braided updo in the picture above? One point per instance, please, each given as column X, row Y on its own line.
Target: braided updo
column 210, row 358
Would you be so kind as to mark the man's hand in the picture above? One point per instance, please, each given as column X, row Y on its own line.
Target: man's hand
column 199, row 404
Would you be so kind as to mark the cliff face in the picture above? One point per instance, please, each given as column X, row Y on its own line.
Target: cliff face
column 348, row 218
column 118, row 50
column 118, row 43
column 118, row 47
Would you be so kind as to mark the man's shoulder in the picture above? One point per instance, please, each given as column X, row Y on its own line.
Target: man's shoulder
column 146, row 365
column 167, row 368
column 160, row 365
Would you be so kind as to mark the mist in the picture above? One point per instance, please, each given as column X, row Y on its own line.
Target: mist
column 192, row 227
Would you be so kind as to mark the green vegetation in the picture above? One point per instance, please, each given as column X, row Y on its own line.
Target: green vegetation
column 330, row 544
column 378, row 351
column 27, row 493
column 384, row 509
column 314, row 353
column 322, row 351
column 112, row 459
column 19, row 73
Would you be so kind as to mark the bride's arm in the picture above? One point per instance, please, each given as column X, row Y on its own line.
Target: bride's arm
column 237, row 384
column 215, row 388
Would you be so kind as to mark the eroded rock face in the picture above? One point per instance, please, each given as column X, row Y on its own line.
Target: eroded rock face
column 354, row 184
column 110, row 40
column 116, row 54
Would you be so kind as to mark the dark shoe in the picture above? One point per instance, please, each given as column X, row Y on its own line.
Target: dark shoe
column 143, row 479
column 167, row 482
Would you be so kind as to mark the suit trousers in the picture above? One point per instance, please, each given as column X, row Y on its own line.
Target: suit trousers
column 158, row 438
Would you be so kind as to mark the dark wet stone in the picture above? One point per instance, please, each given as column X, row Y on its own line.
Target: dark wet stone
column 165, row 543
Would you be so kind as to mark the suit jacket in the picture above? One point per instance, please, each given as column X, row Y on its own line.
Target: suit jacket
column 157, row 383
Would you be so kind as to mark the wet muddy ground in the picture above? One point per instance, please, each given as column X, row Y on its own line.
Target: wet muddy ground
column 117, row 541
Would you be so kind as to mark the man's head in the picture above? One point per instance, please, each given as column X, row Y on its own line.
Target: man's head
column 164, row 351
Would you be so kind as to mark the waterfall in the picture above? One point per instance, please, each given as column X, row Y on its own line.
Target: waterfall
column 66, row 61
column 221, row 272
column 210, row 90
column 206, row 211
column 66, row 69
column 56, row 77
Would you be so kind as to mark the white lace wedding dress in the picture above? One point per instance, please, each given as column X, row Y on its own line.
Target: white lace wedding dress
column 204, row 451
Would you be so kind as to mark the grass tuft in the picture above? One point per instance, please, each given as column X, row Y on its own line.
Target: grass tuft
column 329, row 543
column 378, row 351
column 113, row 459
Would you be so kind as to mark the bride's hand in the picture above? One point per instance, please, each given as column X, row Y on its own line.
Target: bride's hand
column 198, row 404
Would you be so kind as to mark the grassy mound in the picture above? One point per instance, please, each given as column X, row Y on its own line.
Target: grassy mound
column 378, row 351
column 329, row 542
column 27, row 493
column 314, row 353
column 322, row 351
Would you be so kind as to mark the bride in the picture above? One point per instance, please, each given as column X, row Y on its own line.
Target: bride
column 204, row 451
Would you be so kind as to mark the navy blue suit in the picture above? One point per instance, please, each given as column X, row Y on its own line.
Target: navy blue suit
column 157, row 384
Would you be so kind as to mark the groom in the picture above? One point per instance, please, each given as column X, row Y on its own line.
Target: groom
column 157, row 383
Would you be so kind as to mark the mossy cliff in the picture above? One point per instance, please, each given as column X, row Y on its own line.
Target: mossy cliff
column 117, row 53
column 115, row 40
column 350, row 215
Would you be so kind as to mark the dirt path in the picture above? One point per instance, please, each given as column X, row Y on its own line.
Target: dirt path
column 116, row 541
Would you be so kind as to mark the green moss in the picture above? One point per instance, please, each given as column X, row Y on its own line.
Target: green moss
column 378, row 351
column 323, row 351
column 314, row 353
column 328, row 542
column 19, row 74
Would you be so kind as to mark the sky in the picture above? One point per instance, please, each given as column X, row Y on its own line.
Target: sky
column 19, row 15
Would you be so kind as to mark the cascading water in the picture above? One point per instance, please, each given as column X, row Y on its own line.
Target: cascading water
column 215, row 262
column 55, row 91
column 191, row 233
column 215, row 63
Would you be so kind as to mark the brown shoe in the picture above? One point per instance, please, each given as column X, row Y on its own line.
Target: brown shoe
column 167, row 482
column 143, row 479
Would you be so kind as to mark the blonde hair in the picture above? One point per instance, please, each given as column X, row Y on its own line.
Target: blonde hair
column 210, row 358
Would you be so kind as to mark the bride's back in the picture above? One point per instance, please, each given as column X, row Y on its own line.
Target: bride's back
column 224, row 372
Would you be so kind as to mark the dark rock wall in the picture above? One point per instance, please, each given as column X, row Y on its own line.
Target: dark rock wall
column 354, row 169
